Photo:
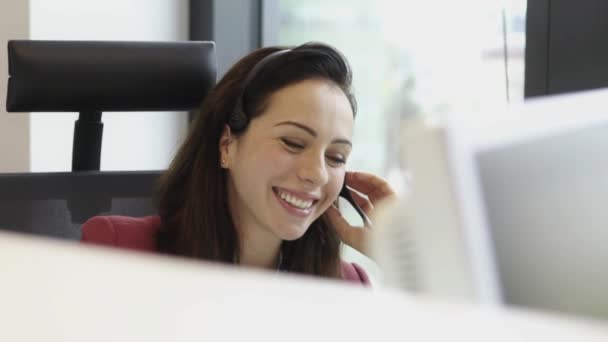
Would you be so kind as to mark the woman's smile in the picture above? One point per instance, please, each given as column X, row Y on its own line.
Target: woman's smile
column 298, row 204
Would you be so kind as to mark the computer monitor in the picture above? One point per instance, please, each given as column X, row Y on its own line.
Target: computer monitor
column 506, row 207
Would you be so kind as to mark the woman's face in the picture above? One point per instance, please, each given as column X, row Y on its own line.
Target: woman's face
column 287, row 168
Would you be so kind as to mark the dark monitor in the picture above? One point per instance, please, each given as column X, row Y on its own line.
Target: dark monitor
column 566, row 46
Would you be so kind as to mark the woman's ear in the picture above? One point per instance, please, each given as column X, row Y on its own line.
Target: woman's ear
column 227, row 143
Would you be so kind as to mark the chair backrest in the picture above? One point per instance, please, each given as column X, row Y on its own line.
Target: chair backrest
column 92, row 77
column 108, row 76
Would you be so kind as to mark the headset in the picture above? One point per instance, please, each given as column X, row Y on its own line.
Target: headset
column 238, row 122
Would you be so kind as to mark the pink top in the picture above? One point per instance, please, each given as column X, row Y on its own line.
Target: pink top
column 137, row 233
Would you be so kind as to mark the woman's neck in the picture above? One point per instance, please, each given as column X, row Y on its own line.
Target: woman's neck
column 258, row 252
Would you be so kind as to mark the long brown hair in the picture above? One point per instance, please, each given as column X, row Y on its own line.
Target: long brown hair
column 193, row 204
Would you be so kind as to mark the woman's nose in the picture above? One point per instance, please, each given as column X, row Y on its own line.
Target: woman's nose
column 312, row 169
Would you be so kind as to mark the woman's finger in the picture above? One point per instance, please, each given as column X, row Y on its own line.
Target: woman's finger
column 362, row 201
column 337, row 220
column 356, row 237
column 371, row 185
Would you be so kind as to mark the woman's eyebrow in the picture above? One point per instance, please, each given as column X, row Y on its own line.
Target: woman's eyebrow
column 299, row 125
column 312, row 131
column 342, row 141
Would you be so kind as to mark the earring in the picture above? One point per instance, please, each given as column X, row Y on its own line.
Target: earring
column 223, row 162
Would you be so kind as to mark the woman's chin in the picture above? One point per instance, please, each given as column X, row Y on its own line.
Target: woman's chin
column 291, row 234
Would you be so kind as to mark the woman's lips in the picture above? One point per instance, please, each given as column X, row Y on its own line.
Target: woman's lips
column 299, row 212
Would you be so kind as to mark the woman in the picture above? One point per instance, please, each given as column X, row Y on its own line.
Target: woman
column 255, row 180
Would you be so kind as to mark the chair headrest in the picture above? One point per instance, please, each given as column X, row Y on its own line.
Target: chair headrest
column 77, row 76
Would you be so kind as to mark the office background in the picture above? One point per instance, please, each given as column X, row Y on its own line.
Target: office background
column 408, row 59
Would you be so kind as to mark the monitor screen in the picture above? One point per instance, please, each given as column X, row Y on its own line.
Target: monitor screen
column 508, row 207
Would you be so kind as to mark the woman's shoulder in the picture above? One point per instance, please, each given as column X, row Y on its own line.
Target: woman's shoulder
column 122, row 231
column 352, row 272
column 139, row 233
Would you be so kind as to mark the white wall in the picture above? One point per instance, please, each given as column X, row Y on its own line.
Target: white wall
column 132, row 141
column 14, row 127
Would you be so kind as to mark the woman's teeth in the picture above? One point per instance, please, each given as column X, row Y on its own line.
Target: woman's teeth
column 296, row 202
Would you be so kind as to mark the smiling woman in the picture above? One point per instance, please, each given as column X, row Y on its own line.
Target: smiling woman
column 255, row 181
column 288, row 167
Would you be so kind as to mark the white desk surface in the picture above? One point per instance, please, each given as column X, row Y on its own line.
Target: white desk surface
column 59, row 291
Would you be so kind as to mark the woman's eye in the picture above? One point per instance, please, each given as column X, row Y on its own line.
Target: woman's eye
column 292, row 144
column 338, row 160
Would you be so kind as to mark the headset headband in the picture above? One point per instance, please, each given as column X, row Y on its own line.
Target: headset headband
column 238, row 119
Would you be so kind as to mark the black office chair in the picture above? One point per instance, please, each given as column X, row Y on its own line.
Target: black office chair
column 91, row 77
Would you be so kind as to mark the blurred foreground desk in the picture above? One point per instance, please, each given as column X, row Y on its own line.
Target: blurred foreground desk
column 62, row 291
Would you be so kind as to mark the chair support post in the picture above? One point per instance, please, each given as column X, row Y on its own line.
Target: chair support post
column 86, row 148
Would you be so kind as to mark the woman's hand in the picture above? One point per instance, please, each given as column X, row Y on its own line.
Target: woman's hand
column 367, row 190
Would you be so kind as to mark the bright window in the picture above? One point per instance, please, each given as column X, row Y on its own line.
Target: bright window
column 414, row 57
